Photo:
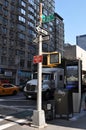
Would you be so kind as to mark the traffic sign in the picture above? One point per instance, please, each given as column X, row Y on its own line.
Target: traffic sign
column 47, row 18
column 37, row 59
column 44, row 38
column 42, row 30
column 36, row 40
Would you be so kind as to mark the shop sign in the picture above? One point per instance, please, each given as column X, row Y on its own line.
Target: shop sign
column 8, row 73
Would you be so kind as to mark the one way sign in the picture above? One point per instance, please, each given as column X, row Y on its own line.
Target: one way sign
column 42, row 30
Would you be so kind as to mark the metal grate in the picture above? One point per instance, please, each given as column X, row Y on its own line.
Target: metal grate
column 30, row 87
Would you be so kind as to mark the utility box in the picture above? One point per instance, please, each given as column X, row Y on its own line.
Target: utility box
column 63, row 103
column 49, row 108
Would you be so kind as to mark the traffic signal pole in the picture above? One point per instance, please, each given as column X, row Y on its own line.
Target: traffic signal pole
column 39, row 115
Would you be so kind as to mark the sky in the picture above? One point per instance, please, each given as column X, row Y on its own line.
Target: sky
column 74, row 14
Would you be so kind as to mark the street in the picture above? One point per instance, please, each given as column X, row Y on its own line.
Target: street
column 18, row 101
column 16, row 114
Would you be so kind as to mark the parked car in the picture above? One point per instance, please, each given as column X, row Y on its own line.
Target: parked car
column 8, row 89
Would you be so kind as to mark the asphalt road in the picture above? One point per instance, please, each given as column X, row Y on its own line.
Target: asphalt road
column 18, row 101
column 16, row 114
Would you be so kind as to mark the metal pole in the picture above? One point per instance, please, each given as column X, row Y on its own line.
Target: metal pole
column 39, row 94
column 38, row 115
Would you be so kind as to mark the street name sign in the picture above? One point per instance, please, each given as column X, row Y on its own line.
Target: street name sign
column 36, row 40
column 44, row 38
column 47, row 18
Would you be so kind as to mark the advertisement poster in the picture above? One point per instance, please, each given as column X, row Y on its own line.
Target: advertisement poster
column 72, row 77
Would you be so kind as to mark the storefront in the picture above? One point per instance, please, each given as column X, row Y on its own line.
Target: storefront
column 7, row 76
column 24, row 76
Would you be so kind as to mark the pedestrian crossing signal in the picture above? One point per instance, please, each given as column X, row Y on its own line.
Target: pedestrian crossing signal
column 54, row 58
column 51, row 59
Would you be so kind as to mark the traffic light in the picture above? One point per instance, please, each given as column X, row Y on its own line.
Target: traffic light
column 54, row 58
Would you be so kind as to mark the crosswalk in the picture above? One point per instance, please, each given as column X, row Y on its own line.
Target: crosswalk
column 9, row 121
column 6, row 122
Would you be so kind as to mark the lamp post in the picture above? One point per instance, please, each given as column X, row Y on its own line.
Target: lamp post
column 38, row 115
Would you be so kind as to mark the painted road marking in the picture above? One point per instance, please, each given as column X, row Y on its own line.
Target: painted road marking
column 7, row 125
column 5, row 118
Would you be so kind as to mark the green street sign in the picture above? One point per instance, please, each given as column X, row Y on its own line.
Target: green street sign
column 47, row 18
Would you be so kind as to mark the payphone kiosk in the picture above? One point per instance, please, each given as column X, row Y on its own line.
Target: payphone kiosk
column 74, row 82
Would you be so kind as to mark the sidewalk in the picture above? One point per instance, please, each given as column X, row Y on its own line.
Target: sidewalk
column 77, row 122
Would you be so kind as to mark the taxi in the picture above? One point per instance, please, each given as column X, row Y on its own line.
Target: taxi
column 8, row 89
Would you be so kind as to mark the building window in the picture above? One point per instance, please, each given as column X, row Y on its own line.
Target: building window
column 30, row 9
column 29, row 64
column 5, row 41
column 5, row 21
column 22, row 63
column 31, row 17
column 12, row 7
column 11, row 43
column 21, row 36
column 12, row 16
column 31, row 2
column 4, row 30
column 31, row 24
column 3, row 60
column 23, row 11
column 11, row 24
column 0, row 7
column 20, row 53
column 12, row 0
column 30, row 56
column 21, row 27
column 6, row 3
column 5, row 12
column 22, row 19
column 22, row 44
column 23, row 3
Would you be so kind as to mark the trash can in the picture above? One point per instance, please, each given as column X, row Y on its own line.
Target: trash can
column 63, row 103
column 49, row 108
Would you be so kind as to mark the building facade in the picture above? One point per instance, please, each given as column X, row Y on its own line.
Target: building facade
column 81, row 41
column 59, row 34
column 18, row 19
column 75, row 52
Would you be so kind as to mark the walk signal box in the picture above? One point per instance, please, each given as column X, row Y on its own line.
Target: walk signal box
column 52, row 59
